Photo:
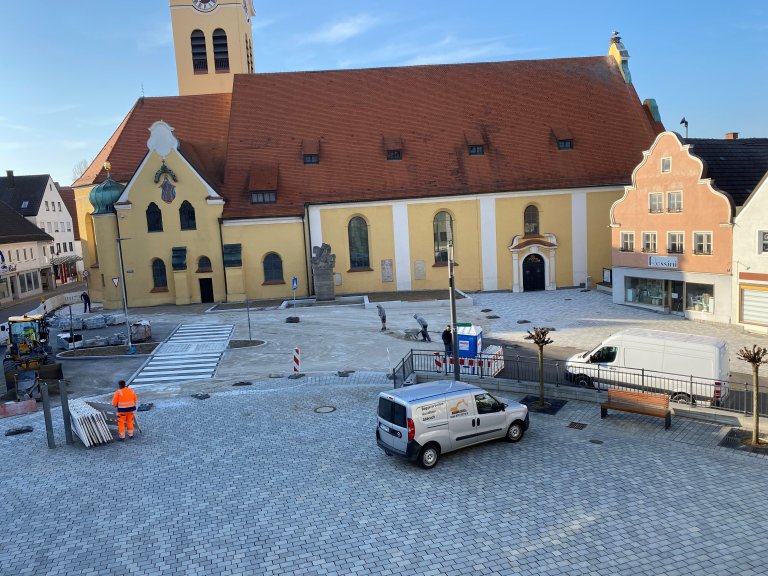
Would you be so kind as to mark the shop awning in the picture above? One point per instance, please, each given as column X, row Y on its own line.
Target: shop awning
column 69, row 259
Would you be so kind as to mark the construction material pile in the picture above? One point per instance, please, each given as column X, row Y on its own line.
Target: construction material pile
column 89, row 424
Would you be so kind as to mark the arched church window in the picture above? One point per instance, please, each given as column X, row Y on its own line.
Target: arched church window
column 159, row 278
column 531, row 218
column 220, row 50
column 154, row 218
column 443, row 233
column 359, row 256
column 204, row 264
column 187, row 216
column 273, row 268
column 199, row 53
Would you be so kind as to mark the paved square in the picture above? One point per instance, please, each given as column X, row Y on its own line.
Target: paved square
column 254, row 481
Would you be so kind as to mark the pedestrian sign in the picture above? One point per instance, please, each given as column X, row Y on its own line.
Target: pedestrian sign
column 86, row 273
column 294, row 283
column 115, row 281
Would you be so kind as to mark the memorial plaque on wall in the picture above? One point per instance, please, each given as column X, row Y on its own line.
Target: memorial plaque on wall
column 387, row 275
column 337, row 279
column 419, row 270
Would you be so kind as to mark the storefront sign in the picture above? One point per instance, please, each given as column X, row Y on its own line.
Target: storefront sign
column 662, row 261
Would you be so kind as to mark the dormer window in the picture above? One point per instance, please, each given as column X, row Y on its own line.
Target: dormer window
column 262, row 183
column 264, row 197
column 25, row 204
column 393, row 145
column 475, row 142
column 563, row 137
column 476, row 150
column 310, row 149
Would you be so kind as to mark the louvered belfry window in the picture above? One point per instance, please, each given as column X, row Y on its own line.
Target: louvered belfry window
column 220, row 50
column 199, row 53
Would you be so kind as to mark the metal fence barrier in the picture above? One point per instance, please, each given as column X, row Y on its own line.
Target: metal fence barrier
column 728, row 395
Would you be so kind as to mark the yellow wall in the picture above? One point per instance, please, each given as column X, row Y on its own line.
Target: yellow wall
column 554, row 218
column 258, row 240
column 228, row 16
column 143, row 247
column 381, row 246
column 599, row 233
column 466, row 217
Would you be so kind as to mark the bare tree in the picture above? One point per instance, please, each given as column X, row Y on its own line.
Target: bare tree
column 541, row 339
column 756, row 357
column 79, row 169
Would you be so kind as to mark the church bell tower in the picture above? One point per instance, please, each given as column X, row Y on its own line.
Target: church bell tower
column 213, row 41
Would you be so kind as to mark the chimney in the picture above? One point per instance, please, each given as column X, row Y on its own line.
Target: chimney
column 11, row 180
column 732, row 136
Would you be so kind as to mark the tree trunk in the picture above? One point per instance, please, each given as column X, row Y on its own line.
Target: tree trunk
column 541, row 375
column 755, row 411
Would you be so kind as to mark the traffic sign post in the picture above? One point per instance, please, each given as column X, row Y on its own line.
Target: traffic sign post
column 116, row 282
column 294, row 286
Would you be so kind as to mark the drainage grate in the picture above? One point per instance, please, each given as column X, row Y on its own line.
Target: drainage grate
column 325, row 409
column 577, row 425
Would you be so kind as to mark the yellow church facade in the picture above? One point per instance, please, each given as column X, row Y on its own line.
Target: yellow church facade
column 387, row 166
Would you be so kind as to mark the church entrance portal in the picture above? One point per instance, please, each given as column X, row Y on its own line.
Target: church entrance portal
column 533, row 273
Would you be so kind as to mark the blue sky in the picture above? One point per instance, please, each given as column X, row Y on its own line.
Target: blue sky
column 70, row 71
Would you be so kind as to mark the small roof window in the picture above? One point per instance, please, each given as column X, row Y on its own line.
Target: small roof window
column 310, row 150
column 563, row 137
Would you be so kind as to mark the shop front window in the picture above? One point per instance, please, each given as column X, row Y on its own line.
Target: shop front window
column 648, row 291
column 700, row 297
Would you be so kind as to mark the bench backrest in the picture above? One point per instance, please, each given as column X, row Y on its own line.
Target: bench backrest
column 644, row 398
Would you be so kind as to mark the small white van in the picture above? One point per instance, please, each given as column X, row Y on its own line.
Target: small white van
column 689, row 367
column 424, row 421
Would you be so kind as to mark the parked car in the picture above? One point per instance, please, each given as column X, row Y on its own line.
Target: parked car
column 424, row 421
column 689, row 367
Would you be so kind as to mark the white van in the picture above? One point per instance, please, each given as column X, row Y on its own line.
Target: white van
column 690, row 368
column 423, row 421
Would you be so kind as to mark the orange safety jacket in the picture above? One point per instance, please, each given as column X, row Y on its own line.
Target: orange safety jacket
column 125, row 400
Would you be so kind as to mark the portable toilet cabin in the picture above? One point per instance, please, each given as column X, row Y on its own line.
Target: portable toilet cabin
column 470, row 340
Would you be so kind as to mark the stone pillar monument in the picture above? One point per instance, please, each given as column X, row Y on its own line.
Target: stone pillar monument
column 322, row 272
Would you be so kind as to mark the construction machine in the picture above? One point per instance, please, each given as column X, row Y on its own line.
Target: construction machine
column 27, row 350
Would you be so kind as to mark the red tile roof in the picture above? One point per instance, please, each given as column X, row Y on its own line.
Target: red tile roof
column 200, row 123
column 512, row 106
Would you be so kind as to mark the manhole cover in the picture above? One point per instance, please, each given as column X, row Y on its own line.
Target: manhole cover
column 593, row 441
column 577, row 425
column 325, row 409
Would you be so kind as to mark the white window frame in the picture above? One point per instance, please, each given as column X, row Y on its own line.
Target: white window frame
column 668, row 168
column 627, row 238
column 680, row 237
column 696, row 243
column 655, row 242
column 69, row 226
column 650, row 204
column 762, row 241
column 669, row 204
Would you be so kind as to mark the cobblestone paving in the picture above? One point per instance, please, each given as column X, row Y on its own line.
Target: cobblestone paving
column 254, row 481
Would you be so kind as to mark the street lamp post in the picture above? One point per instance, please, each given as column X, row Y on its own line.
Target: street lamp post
column 452, row 296
column 131, row 349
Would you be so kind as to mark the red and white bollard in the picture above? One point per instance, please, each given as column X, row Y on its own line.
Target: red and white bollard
column 296, row 360
column 438, row 362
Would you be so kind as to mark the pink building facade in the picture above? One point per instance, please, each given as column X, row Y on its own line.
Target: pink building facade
column 672, row 236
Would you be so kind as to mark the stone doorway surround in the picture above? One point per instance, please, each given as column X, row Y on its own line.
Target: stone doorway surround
column 545, row 245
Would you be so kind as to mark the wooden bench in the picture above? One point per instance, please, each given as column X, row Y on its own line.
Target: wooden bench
column 650, row 404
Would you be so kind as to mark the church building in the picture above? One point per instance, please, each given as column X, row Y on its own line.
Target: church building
column 221, row 193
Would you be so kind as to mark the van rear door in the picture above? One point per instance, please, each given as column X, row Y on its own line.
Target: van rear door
column 392, row 424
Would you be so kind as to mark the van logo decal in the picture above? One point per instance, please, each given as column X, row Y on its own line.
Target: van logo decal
column 458, row 410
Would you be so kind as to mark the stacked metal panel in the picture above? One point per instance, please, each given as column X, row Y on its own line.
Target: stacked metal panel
column 89, row 424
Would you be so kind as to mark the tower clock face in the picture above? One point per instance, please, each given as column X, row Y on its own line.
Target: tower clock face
column 204, row 5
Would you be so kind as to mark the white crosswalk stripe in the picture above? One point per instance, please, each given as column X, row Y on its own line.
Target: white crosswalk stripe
column 193, row 352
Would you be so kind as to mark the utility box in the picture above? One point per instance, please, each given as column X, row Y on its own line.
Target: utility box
column 470, row 340
column 67, row 341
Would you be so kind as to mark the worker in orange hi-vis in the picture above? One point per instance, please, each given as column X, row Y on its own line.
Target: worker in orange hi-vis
column 125, row 400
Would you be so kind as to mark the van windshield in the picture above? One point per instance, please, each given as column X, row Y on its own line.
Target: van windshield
column 392, row 412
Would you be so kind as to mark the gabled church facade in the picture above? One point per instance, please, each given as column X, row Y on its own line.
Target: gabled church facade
column 221, row 196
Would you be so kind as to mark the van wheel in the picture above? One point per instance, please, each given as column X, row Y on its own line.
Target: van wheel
column 681, row 398
column 584, row 381
column 429, row 456
column 515, row 432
